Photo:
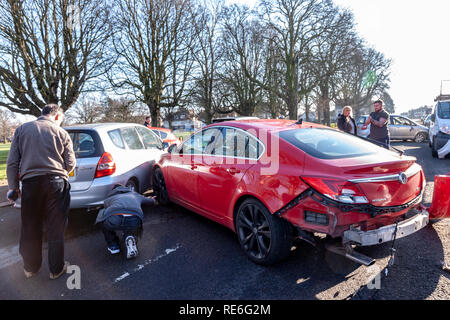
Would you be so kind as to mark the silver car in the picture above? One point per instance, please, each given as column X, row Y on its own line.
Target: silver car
column 400, row 128
column 109, row 154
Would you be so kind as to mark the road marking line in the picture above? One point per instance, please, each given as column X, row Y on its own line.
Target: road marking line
column 147, row 262
column 9, row 256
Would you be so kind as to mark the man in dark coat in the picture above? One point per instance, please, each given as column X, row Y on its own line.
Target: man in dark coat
column 123, row 212
column 379, row 125
column 43, row 153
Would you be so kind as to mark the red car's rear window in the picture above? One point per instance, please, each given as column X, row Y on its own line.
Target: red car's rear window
column 325, row 143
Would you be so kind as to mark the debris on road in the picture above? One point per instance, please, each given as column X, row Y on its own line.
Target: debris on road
column 445, row 266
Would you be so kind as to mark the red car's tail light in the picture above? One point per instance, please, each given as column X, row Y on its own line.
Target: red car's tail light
column 336, row 189
column 105, row 166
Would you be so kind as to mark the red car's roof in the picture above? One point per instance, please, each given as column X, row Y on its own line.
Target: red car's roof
column 268, row 124
column 160, row 129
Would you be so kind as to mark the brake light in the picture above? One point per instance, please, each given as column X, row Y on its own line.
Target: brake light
column 336, row 189
column 105, row 166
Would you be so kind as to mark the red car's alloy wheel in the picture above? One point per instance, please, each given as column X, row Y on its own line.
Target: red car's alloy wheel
column 263, row 237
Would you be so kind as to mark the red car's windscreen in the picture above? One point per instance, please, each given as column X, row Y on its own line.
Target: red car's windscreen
column 329, row 144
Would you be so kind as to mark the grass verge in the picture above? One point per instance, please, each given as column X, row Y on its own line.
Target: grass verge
column 4, row 150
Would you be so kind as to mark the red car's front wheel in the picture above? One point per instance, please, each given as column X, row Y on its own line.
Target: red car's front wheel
column 159, row 187
column 264, row 238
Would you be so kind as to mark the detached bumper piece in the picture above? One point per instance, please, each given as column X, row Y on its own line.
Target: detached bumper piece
column 387, row 233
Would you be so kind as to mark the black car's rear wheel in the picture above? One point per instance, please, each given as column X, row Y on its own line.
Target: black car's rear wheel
column 159, row 187
column 265, row 238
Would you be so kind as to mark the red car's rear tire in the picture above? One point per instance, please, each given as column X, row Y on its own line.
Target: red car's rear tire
column 265, row 238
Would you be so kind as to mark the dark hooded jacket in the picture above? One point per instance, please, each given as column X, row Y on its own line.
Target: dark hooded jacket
column 123, row 200
column 345, row 125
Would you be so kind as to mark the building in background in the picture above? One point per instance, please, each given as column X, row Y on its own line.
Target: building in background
column 183, row 119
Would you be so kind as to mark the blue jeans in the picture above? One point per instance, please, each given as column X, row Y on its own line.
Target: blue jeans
column 128, row 225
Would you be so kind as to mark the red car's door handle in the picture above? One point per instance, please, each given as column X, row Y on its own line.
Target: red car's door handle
column 233, row 171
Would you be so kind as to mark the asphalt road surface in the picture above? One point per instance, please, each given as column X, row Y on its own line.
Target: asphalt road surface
column 185, row 256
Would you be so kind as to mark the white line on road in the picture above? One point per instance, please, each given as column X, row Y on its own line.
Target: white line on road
column 9, row 256
column 147, row 262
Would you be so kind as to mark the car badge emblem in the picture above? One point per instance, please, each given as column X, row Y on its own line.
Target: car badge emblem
column 402, row 178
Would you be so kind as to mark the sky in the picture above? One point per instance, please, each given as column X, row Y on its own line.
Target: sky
column 415, row 35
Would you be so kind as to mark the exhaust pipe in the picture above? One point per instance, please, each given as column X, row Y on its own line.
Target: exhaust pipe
column 351, row 254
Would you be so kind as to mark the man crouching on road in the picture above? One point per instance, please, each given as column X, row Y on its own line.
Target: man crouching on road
column 123, row 212
column 43, row 153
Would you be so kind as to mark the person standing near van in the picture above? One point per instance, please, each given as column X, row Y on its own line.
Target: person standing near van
column 43, row 152
column 379, row 130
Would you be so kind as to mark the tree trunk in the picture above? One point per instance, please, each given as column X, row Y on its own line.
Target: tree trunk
column 155, row 113
column 324, row 102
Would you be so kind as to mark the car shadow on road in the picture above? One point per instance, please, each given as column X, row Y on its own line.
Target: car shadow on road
column 218, row 268
column 415, row 274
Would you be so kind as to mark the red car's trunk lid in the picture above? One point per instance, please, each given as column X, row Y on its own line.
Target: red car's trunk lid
column 386, row 181
column 388, row 184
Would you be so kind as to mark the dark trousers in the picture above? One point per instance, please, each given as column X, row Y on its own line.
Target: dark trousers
column 45, row 202
column 128, row 225
column 383, row 142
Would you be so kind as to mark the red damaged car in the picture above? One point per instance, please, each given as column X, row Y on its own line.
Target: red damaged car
column 272, row 181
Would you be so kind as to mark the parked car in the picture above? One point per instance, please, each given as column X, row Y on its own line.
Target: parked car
column 217, row 120
column 427, row 121
column 166, row 135
column 271, row 181
column 440, row 126
column 109, row 154
column 400, row 128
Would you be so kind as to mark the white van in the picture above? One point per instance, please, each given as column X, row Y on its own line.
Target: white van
column 439, row 131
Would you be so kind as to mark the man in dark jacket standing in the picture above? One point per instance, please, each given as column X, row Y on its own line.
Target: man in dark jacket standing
column 123, row 212
column 379, row 130
column 43, row 153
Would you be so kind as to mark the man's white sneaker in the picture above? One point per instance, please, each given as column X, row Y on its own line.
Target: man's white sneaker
column 132, row 251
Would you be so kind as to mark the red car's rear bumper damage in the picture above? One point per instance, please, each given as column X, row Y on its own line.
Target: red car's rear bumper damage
column 314, row 212
column 366, row 225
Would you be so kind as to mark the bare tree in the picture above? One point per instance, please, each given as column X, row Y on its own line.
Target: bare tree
column 243, row 51
column 50, row 51
column 365, row 76
column 7, row 125
column 294, row 25
column 331, row 53
column 206, row 52
column 150, row 43
column 123, row 110
column 85, row 110
column 273, row 76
